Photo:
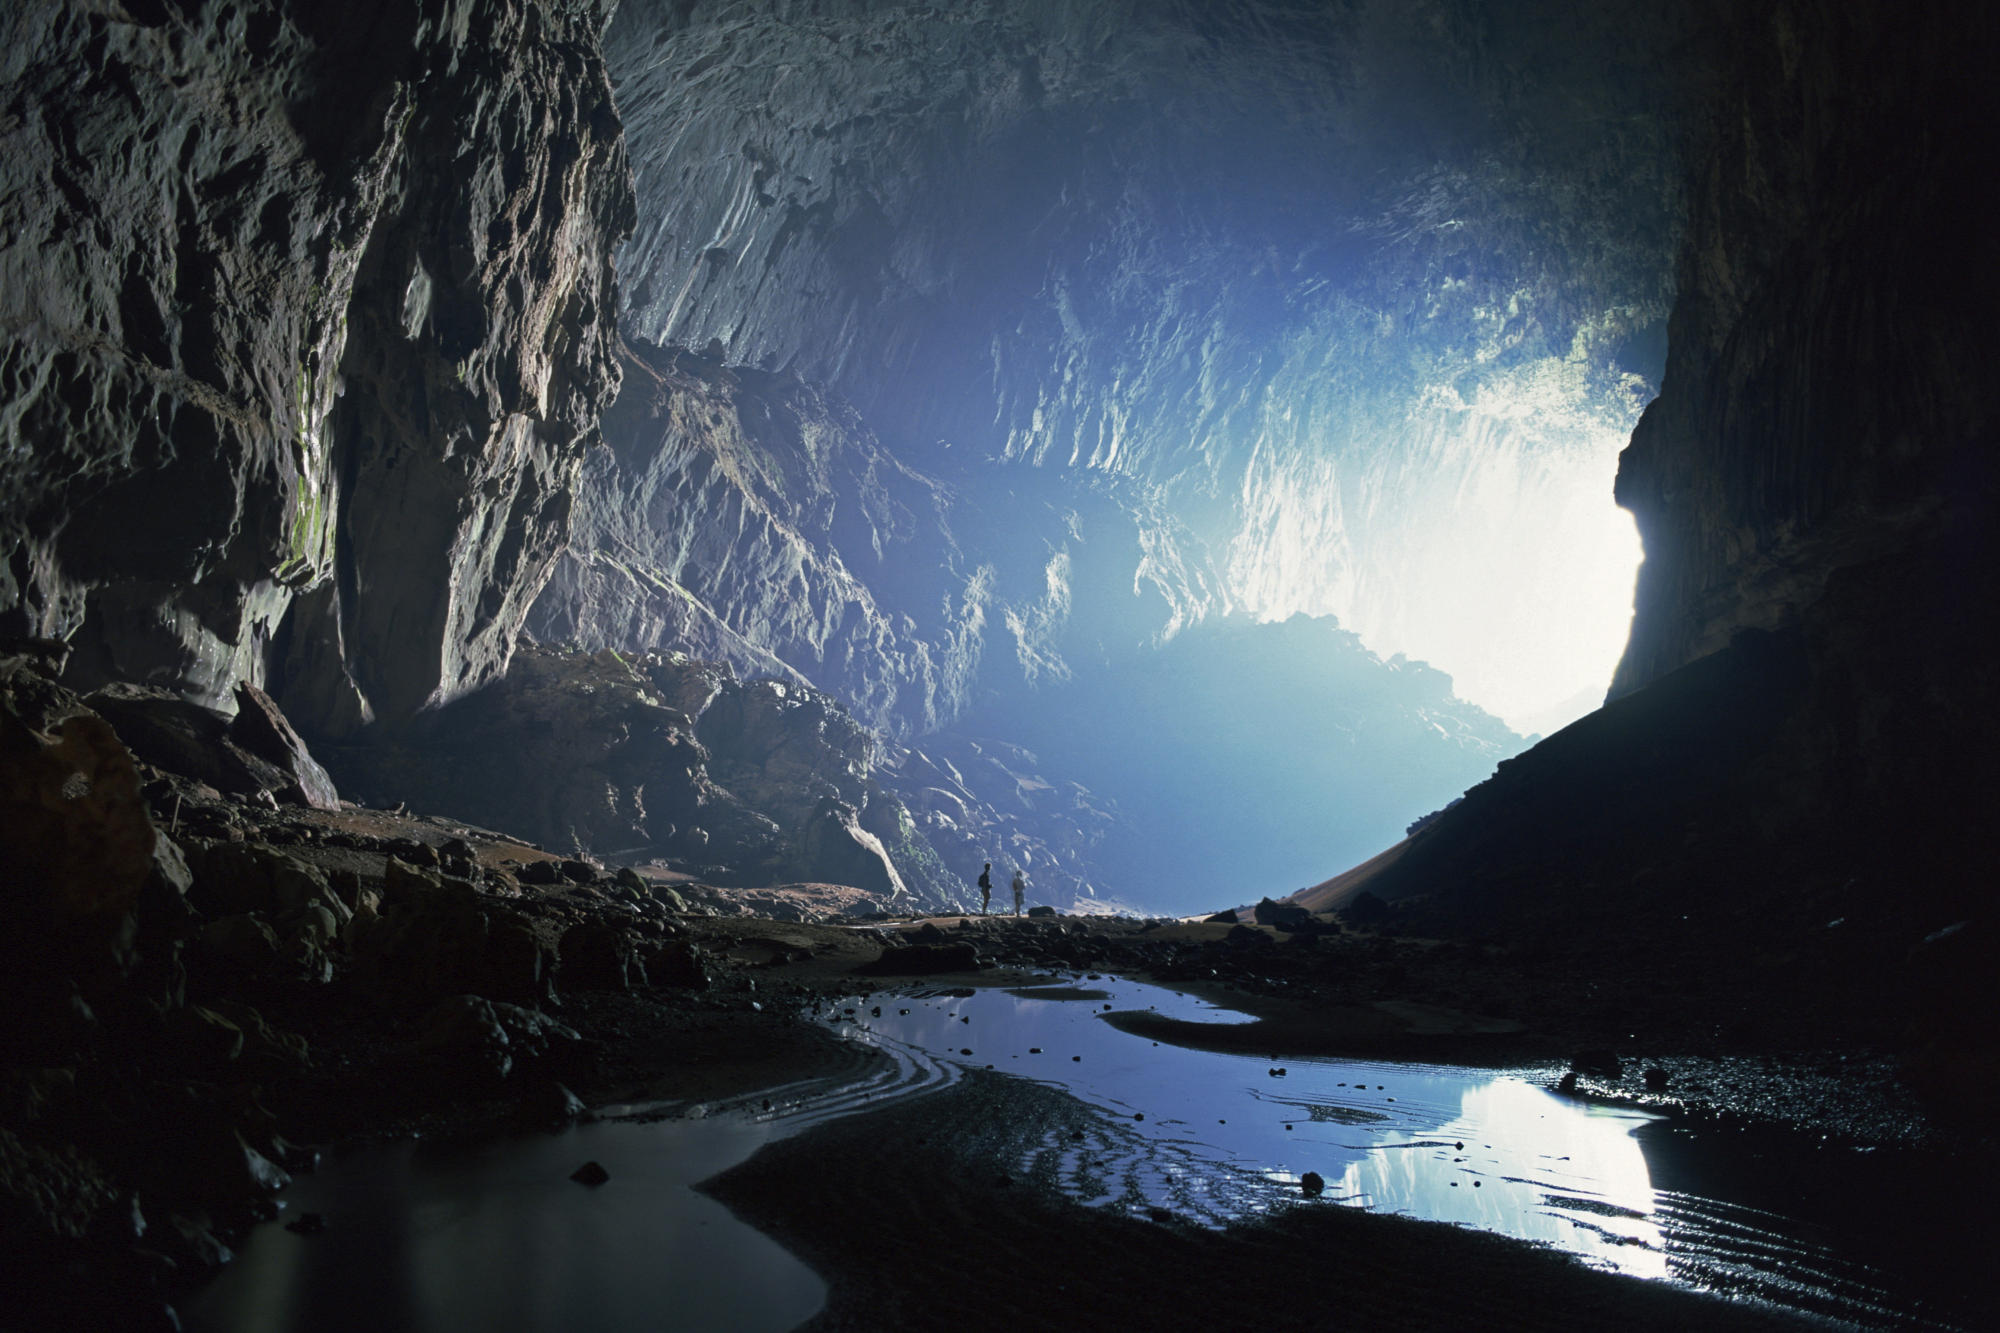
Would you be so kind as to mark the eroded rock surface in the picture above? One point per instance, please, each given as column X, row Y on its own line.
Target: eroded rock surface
column 299, row 305
column 668, row 758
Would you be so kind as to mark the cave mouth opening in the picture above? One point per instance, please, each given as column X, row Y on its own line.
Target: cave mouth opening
column 1480, row 537
column 1365, row 302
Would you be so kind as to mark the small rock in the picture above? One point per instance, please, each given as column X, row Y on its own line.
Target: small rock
column 1312, row 1184
column 306, row 1224
column 1656, row 1080
column 590, row 1173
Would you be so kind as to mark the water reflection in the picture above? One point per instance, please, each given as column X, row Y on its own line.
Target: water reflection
column 1448, row 1145
column 445, row 1237
column 495, row 1235
column 1218, row 1138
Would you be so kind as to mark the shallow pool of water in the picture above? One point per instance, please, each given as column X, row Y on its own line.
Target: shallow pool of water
column 1218, row 1138
column 425, row 1237
column 444, row 1238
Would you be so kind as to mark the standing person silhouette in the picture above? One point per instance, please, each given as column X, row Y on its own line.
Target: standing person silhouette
column 985, row 887
column 1020, row 891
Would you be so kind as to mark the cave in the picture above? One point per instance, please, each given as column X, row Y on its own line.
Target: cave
column 687, row 581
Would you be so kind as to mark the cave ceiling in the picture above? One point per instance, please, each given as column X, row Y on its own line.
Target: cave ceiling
column 1341, row 286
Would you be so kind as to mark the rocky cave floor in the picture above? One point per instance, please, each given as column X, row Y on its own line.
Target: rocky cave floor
column 358, row 974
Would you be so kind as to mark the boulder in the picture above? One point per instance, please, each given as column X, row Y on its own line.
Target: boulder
column 833, row 848
column 202, row 1037
column 1365, row 909
column 251, row 877
column 1285, row 916
column 1598, row 1061
column 540, row 873
column 268, row 1051
column 185, row 738
column 78, row 848
column 244, row 943
column 262, row 729
column 549, row 1104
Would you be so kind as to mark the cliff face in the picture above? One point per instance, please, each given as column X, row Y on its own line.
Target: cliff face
column 1828, row 401
column 1795, row 778
column 1820, row 461
column 746, row 517
column 308, row 322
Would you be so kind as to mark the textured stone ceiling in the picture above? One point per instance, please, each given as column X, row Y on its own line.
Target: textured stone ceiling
column 1369, row 293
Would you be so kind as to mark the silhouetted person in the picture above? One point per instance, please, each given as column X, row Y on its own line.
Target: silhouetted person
column 1020, row 891
column 985, row 887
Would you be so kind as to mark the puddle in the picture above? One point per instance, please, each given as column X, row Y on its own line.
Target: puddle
column 425, row 1238
column 439, row 1238
column 1208, row 1136
column 496, row 1235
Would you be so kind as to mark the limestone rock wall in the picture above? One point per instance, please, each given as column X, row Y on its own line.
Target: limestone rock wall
column 1802, row 750
column 307, row 315
column 1828, row 396
column 748, row 518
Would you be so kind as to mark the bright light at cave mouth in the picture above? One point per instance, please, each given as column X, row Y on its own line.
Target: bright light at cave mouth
column 1478, row 536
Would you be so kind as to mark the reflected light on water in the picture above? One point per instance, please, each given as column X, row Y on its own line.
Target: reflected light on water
column 1217, row 1139
column 1583, row 1186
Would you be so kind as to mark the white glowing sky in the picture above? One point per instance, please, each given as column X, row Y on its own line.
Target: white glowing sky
column 1477, row 534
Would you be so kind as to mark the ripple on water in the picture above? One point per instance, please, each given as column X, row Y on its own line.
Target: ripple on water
column 1207, row 1136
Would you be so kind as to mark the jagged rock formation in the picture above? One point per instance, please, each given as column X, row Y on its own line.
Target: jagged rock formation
column 745, row 517
column 1039, row 647
column 310, row 327
column 308, row 324
column 662, row 758
column 1311, row 275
